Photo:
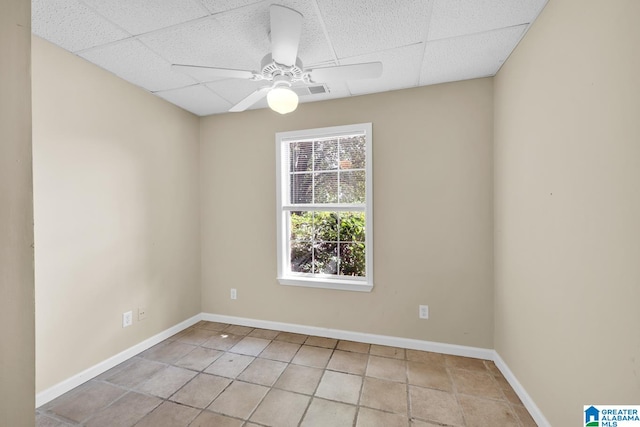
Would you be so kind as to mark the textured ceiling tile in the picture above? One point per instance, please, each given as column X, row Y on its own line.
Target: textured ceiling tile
column 72, row 25
column 133, row 62
column 205, row 42
column 468, row 57
column 141, row 16
column 236, row 39
column 400, row 69
column 451, row 18
column 247, row 29
column 198, row 99
column 364, row 26
column 216, row 6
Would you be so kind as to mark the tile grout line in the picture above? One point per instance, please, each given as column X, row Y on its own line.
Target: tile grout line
column 190, row 337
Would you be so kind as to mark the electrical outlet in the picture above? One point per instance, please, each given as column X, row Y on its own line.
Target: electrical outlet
column 423, row 312
column 142, row 313
column 234, row 293
column 127, row 319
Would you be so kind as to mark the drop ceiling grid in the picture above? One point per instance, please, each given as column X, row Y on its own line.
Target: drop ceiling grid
column 468, row 57
column 379, row 24
column 420, row 42
column 201, row 42
column 72, row 25
column 142, row 16
column 453, row 18
column 217, row 6
column 132, row 61
column 198, row 99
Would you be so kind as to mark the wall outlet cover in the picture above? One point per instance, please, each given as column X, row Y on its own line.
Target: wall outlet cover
column 423, row 311
column 127, row 319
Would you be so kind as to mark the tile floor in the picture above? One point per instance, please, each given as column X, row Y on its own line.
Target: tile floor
column 215, row 374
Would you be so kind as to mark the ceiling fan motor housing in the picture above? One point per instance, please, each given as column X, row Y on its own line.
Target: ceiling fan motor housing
column 271, row 69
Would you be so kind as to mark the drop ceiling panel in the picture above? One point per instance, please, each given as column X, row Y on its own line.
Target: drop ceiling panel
column 141, row 16
column 247, row 31
column 217, row 6
column 363, row 26
column 198, row 99
column 202, row 42
column 400, row 69
column 132, row 61
column 420, row 42
column 451, row 18
column 468, row 57
column 72, row 25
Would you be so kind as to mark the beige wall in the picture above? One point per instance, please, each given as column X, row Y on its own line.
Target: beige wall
column 17, row 341
column 117, row 226
column 567, row 208
column 116, row 213
column 432, row 212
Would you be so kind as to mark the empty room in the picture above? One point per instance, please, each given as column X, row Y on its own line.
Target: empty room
column 319, row 213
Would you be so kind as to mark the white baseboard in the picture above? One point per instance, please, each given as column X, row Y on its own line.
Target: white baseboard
column 62, row 387
column 457, row 350
column 528, row 402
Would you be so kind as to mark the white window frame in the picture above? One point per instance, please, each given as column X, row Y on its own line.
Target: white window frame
column 285, row 276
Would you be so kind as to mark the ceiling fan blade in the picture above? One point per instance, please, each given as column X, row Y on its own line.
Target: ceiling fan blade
column 368, row 70
column 207, row 74
column 250, row 100
column 286, row 27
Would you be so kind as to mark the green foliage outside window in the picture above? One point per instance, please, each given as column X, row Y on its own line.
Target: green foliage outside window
column 328, row 243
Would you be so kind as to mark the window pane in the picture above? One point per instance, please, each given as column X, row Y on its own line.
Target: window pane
column 328, row 243
column 325, row 226
column 326, row 258
column 301, row 257
column 326, row 187
column 326, row 155
column 352, row 259
column 301, row 188
column 301, row 226
column 300, row 156
column 352, row 187
column 352, row 152
column 352, row 226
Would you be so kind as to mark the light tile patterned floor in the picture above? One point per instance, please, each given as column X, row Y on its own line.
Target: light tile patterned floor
column 215, row 374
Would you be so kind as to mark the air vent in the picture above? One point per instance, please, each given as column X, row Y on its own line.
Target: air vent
column 310, row 90
column 315, row 90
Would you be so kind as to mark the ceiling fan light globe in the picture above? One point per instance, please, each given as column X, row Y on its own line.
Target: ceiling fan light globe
column 282, row 100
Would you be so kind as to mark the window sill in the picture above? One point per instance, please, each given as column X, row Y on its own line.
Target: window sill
column 337, row 284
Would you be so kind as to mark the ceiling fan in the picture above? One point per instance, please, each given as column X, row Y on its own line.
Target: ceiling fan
column 282, row 68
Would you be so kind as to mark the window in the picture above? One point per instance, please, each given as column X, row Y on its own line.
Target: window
column 324, row 188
